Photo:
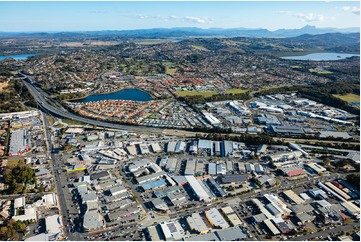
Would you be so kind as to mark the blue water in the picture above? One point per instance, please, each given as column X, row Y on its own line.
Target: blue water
column 320, row 57
column 17, row 57
column 128, row 94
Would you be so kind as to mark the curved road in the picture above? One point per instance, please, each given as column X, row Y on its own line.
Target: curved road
column 39, row 97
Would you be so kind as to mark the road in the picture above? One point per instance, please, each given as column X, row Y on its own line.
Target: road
column 56, row 166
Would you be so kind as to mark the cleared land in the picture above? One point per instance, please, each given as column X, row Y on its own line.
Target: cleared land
column 320, row 72
column 350, row 97
column 3, row 85
column 195, row 93
column 236, row 90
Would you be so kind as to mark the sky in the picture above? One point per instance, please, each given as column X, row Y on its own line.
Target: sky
column 87, row 16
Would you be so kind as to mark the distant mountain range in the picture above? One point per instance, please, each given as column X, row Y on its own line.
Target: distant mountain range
column 188, row 32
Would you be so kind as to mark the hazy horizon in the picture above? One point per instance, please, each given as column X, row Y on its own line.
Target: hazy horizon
column 104, row 16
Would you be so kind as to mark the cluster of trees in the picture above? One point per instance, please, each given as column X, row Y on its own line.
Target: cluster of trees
column 354, row 180
column 12, row 98
column 245, row 138
column 12, row 228
column 198, row 99
column 16, row 177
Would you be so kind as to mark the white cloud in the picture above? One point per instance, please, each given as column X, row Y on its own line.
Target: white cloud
column 353, row 9
column 189, row 19
column 310, row 17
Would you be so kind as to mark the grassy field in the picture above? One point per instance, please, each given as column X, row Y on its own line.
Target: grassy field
column 350, row 97
column 236, row 90
column 320, row 72
column 14, row 161
column 194, row 93
column 199, row 47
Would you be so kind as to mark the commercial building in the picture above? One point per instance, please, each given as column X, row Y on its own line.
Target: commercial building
column 171, row 147
column 212, row 169
column 180, row 147
column 197, row 224
column 216, row 219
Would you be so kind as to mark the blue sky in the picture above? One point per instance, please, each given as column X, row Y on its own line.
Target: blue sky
column 72, row 16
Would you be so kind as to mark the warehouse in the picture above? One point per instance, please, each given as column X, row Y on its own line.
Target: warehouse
column 271, row 227
column 153, row 233
column 230, row 168
column 233, row 179
column 197, row 224
column 261, row 207
column 249, row 167
column 287, row 130
column 231, row 234
column 171, row 147
column 291, row 195
column 258, row 168
column 172, row 230
column 221, row 169
column 205, row 146
column 150, row 177
column 203, row 237
column 180, row 146
column 317, row 168
column 216, row 219
column 218, row 189
column 143, row 148
column 198, row 189
column 200, row 167
column 171, row 165
column 132, row 150
column 162, row 192
column 292, row 171
column 217, row 148
column 281, row 225
column 231, row 216
column 154, row 185
column 226, row 148
column 301, row 208
column 117, row 190
column 212, row 169
column 351, row 208
column 276, row 202
column 155, row 147
column 190, row 167
column 92, row 220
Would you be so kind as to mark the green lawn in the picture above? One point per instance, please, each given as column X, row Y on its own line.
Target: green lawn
column 194, row 93
column 320, row 72
column 350, row 97
column 236, row 90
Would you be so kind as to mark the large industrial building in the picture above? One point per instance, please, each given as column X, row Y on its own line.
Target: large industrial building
column 198, row 189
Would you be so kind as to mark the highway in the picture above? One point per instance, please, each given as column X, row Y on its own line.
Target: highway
column 43, row 103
